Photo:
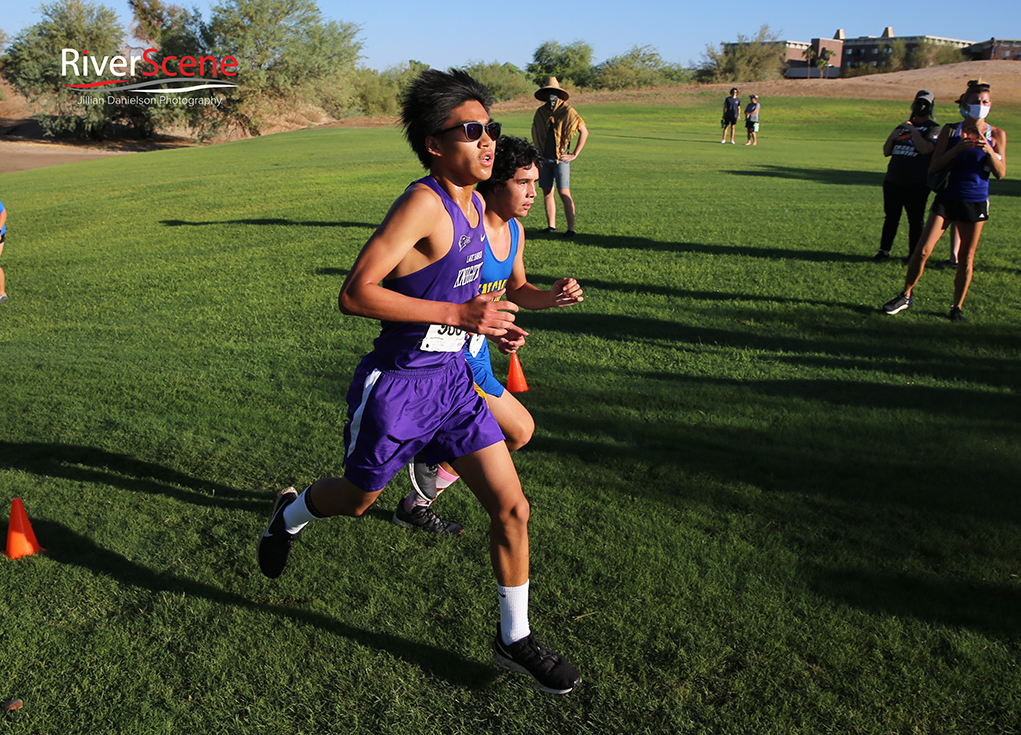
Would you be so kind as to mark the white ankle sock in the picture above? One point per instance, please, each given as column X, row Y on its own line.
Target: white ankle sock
column 298, row 514
column 513, row 612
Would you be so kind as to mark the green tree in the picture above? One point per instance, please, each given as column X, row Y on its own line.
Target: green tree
column 809, row 56
column 947, row 54
column 640, row 68
column 571, row 65
column 894, row 56
column 287, row 56
column 33, row 66
column 822, row 61
column 749, row 60
column 379, row 93
column 504, row 81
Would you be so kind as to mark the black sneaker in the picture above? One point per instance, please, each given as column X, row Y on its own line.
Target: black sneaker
column 549, row 230
column 897, row 305
column 423, row 518
column 551, row 672
column 881, row 255
column 569, row 235
column 274, row 545
column 955, row 314
column 423, row 479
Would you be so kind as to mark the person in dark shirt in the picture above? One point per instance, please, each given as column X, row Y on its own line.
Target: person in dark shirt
column 909, row 148
column 731, row 113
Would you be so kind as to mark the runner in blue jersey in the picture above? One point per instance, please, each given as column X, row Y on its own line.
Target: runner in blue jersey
column 413, row 395
column 509, row 194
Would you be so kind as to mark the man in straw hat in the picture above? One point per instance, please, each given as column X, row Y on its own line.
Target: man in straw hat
column 555, row 123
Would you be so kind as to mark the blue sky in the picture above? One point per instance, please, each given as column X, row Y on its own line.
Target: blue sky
column 453, row 33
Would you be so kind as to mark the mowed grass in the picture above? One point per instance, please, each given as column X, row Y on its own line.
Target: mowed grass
column 758, row 505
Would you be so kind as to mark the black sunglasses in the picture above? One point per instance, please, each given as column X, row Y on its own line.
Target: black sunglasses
column 473, row 130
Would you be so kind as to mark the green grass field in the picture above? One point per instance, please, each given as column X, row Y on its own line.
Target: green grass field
column 758, row 504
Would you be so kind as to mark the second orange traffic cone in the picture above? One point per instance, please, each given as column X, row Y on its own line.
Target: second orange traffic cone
column 20, row 537
column 516, row 377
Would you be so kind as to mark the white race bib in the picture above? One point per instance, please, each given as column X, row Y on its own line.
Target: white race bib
column 443, row 338
column 475, row 343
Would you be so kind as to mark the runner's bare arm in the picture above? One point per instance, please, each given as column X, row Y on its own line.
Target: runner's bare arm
column 409, row 239
column 565, row 292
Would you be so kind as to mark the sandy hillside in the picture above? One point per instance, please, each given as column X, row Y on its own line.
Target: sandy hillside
column 23, row 147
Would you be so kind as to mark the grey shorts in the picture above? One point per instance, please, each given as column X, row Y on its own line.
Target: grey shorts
column 557, row 171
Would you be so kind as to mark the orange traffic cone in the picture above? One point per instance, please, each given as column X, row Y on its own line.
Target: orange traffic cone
column 516, row 376
column 20, row 537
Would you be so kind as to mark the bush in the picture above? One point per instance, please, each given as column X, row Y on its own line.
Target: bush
column 504, row 81
column 639, row 68
column 749, row 60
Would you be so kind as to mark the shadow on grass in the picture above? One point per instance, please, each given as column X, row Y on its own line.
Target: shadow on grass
column 881, row 345
column 828, row 439
column 274, row 221
column 98, row 466
column 818, row 175
column 642, row 289
column 65, row 546
column 1005, row 188
column 624, row 242
column 332, row 272
column 989, row 608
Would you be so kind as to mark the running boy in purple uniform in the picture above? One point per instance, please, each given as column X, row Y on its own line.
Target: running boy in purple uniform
column 509, row 193
column 413, row 394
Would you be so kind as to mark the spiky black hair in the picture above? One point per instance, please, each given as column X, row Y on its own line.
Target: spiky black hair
column 430, row 99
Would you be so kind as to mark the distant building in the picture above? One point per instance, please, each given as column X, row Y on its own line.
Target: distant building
column 993, row 49
column 847, row 53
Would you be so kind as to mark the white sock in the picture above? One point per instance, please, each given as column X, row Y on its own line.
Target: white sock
column 298, row 514
column 513, row 613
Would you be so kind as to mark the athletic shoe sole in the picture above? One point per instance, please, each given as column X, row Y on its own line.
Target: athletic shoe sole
column 507, row 663
column 284, row 498
column 510, row 665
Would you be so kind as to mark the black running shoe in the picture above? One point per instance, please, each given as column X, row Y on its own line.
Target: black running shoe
column 423, row 518
column 551, row 672
column 274, row 545
column 955, row 314
column 881, row 255
column 897, row 305
column 423, row 479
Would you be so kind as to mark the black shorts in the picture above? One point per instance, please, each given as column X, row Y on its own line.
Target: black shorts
column 729, row 120
column 954, row 211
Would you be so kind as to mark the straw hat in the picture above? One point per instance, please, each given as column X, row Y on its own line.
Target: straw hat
column 552, row 87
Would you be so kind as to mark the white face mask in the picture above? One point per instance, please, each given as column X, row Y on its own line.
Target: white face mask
column 553, row 98
column 975, row 112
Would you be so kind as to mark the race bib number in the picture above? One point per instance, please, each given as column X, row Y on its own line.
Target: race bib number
column 443, row 338
column 475, row 343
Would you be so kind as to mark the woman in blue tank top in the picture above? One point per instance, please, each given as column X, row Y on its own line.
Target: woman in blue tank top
column 975, row 149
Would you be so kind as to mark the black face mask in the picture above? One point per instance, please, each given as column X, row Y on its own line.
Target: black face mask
column 921, row 109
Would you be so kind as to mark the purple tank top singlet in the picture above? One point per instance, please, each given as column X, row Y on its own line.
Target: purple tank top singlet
column 454, row 278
